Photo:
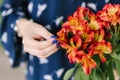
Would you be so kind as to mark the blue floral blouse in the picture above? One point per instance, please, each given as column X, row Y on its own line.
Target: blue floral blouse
column 49, row 13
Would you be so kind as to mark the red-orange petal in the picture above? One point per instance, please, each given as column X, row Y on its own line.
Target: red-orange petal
column 102, row 58
column 86, row 68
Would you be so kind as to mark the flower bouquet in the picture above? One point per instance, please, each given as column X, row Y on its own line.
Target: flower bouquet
column 92, row 43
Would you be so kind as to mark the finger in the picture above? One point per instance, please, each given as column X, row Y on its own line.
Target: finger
column 48, row 51
column 38, row 38
column 44, row 32
column 38, row 44
column 31, row 51
column 38, row 53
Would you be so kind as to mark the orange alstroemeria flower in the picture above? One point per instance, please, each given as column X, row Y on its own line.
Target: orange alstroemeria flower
column 62, row 35
column 90, row 37
column 101, row 48
column 87, row 64
column 75, row 44
column 86, row 61
column 84, row 35
column 99, row 35
column 110, row 14
column 79, row 56
column 80, row 13
column 106, row 47
column 76, row 41
column 82, row 28
column 103, row 18
column 84, row 13
column 73, row 21
column 95, row 25
column 77, row 26
column 111, row 9
column 72, row 56
column 101, row 55
column 72, row 46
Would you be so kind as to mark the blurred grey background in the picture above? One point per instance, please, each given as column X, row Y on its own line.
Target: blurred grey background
column 6, row 71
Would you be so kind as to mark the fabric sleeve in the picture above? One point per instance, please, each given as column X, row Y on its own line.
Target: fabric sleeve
column 11, row 10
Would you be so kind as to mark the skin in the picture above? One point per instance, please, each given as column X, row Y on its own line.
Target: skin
column 36, row 39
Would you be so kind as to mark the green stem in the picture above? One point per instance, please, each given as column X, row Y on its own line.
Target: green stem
column 102, row 74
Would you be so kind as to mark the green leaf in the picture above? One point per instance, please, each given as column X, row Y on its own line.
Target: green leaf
column 68, row 74
column 117, row 48
column 116, row 56
column 117, row 64
column 80, row 75
column 110, row 71
column 77, row 74
column 97, row 74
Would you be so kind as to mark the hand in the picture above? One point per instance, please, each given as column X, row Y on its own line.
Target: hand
column 36, row 39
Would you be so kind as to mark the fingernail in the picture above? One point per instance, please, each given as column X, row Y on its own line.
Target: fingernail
column 58, row 45
column 53, row 36
column 54, row 41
